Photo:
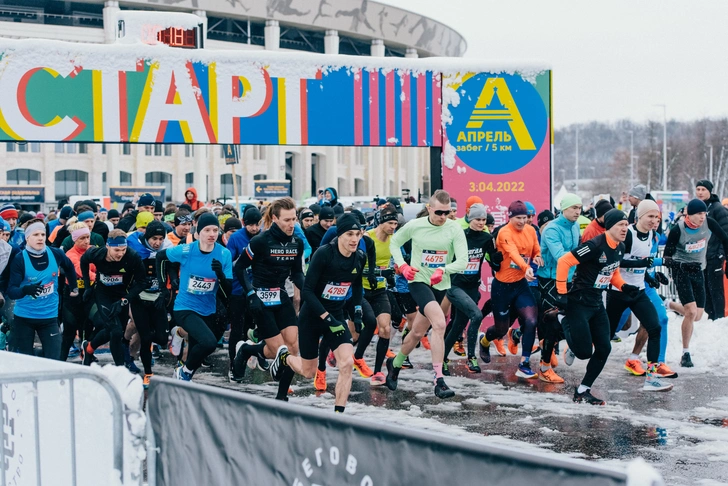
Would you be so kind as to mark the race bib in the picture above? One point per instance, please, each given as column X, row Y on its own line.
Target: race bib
column 603, row 280
column 434, row 258
column 111, row 280
column 79, row 283
column 154, row 284
column 269, row 297
column 636, row 271
column 336, row 290
column 47, row 290
column 472, row 267
column 200, row 285
column 696, row 247
column 525, row 259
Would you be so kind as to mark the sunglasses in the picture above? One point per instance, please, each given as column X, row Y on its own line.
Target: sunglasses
column 443, row 212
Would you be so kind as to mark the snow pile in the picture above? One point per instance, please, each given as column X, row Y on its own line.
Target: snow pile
column 639, row 473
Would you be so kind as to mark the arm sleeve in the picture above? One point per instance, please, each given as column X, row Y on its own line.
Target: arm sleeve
column 140, row 278
column 357, row 288
column 298, row 231
column 226, row 284
column 716, row 229
column 672, row 240
column 567, row 261
column 511, row 250
column 297, row 270
column 68, row 267
column 315, row 269
column 460, row 263
column 617, row 279
column 402, row 236
column 241, row 266
column 85, row 273
column 163, row 264
column 17, row 272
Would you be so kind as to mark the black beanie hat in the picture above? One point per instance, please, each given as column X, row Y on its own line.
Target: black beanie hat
column 316, row 208
column 113, row 213
column 612, row 217
column 252, row 216
column 207, row 219
column 602, row 207
column 158, row 206
column 697, row 206
column 155, row 228
column 347, row 222
column 231, row 224
column 544, row 217
column 326, row 213
column 360, row 216
column 706, row 184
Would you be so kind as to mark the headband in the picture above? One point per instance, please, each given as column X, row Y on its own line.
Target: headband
column 386, row 217
column 117, row 241
column 79, row 233
column 187, row 218
column 33, row 228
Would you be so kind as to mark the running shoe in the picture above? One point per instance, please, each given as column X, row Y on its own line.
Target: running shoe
column 378, row 379
column 72, row 353
column 446, row 367
column 525, row 371
column 654, row 383
column 242, row 354
column 232, row 377
column 156, row 351
column 554, row 354
column 276, row 369
column 181, row 374
column 616, row 339
column 569, row 357
column 402, row 323
column 664, row 371
column 128, row 360
column 263, row 364
column 499, row 347
column 253, row 335
column 331, row 359
column 634, row 366
column 146, row 380
column 319, row 383
column 206, row 362
column 587, row 397
column 175, row 347
column 442, row 390
column 549, row 376
column 458, row 348
column 685, row 361
column 484, row 349
column 425, row 342
column 361, row 366
column 473, row 365
column 390, row 354
column 407, row 364
column 513, row 339
column 392, row 375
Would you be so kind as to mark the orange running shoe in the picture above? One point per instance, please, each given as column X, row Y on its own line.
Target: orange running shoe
column 319, row 383
column 425, row 342
column 499, row 348
column 361, row 366
column 512, row 343
column 146, row 380
column 458, row 348
column 664, row 371
column 402, row 323
column 554, row 360
column 549, row 376
column 634, row 366
column 390, row 354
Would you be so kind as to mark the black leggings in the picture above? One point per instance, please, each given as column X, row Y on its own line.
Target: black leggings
column 644, row 310
column 369, row 321
column 506, row 297
column 110, row 327
column 151, row 324
column 202, row 339
column 587, row 326
column 25, row 329
column 237, row 310
column 75, row 320
column 714, row 296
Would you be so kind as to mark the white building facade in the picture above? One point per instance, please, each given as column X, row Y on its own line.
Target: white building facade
column 354, row 27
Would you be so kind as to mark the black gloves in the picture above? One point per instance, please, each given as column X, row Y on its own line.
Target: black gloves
column 34, row 290
column 217, row 268
column 661, row 278
column 372, row 279
column 162, row 299
column 336, row 327
column 254, row 303
column 630, row 290
column 358, row 319
column 496, row 257
column 561, row 301
column 88, row 294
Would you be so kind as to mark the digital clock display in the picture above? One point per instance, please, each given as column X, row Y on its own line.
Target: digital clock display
column 177, row 37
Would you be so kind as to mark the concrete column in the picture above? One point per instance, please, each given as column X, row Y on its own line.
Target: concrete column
column 48, row 173
column 112, row 165
column 331, row 162
column 202, row 14
column 331, row 42
column 411, row 53
column 272, row 35
column 377, row 49
column 111, row 8
column 200, row 170
column 274, row 158
column 412, row 173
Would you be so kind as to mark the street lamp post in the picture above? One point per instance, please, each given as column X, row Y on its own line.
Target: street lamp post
column 631, row 158
column 664, row 146
column 710, row 166
column 577, row 157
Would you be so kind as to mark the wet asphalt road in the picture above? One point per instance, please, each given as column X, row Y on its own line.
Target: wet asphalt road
column 677, row 432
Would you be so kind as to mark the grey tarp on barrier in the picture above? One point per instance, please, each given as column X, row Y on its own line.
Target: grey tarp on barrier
column 214, row 436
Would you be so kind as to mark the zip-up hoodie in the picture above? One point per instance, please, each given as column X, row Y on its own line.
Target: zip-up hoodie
column 193, row 203
column 558, row 238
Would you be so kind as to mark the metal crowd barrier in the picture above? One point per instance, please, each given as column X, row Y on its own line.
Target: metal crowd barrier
column 71, row 376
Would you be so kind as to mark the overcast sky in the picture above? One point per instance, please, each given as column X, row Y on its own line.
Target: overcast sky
column 612, row 59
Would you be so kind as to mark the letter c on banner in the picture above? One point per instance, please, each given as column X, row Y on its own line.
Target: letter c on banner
column 16, row 120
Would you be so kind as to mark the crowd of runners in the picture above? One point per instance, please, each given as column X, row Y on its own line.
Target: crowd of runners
column 303, row 289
